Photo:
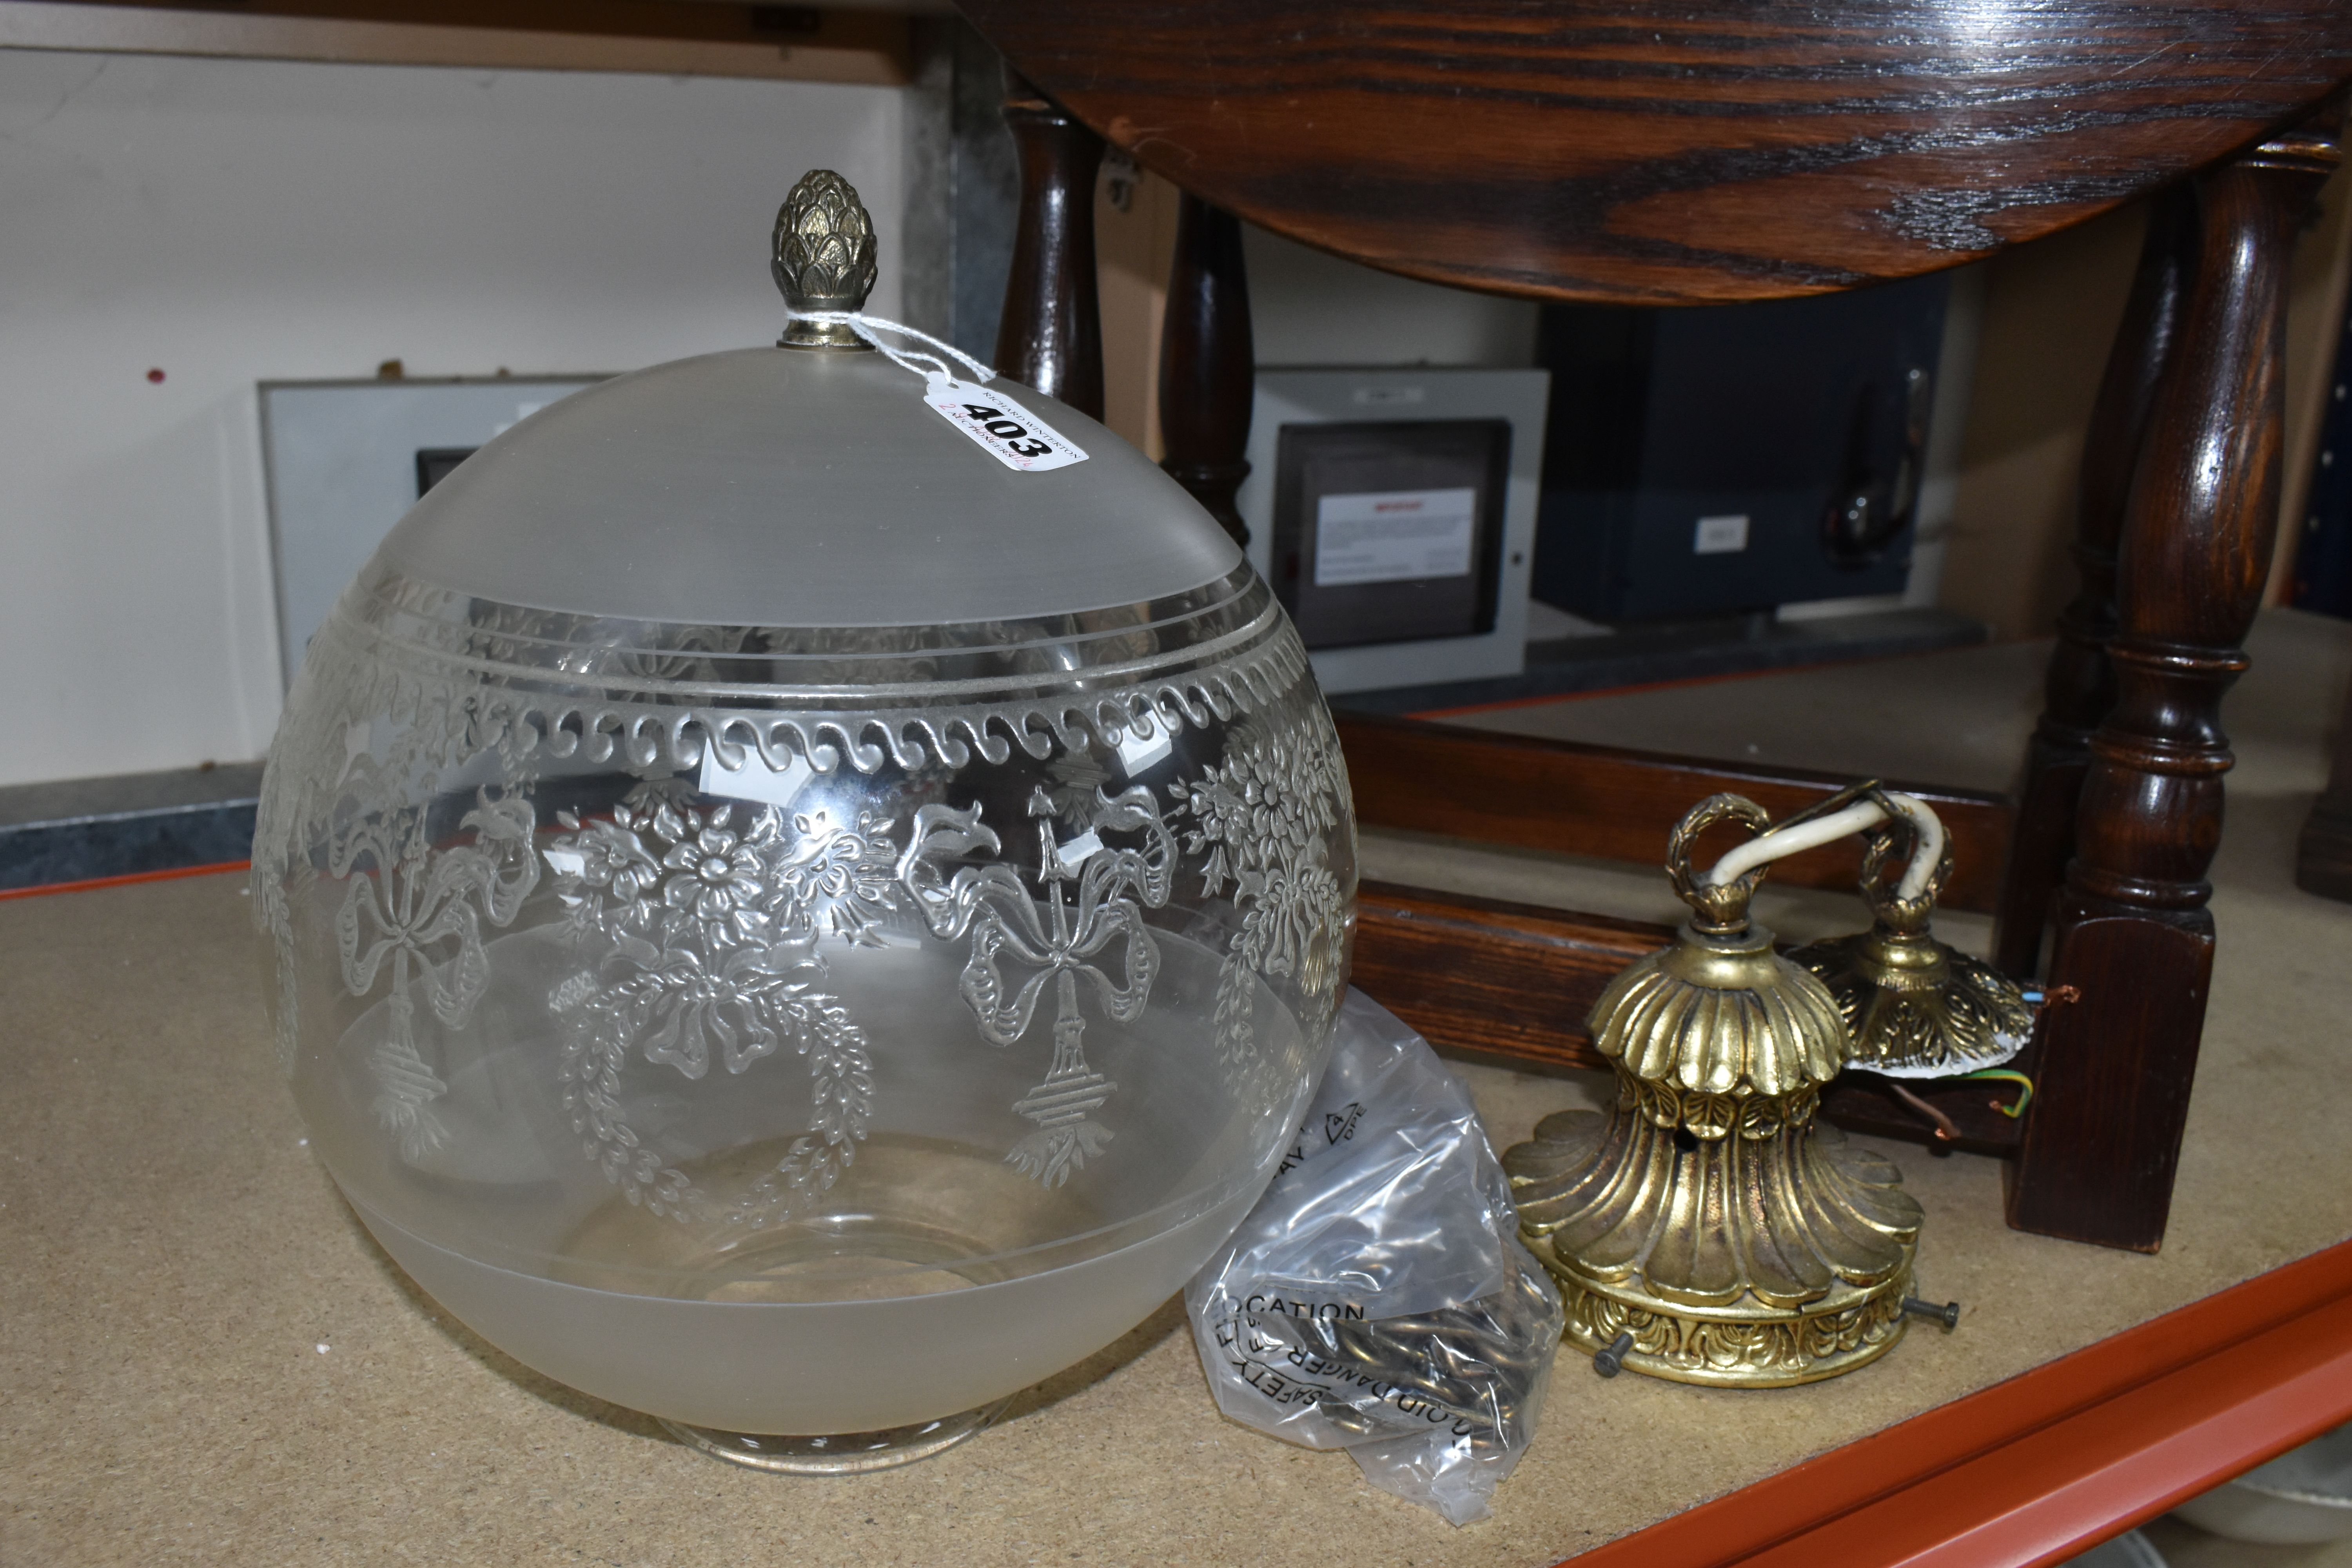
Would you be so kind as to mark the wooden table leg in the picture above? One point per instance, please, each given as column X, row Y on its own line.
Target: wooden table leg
column 2080, row 687
column 1208, row 363
column 1050, row 336
column 2132, row 934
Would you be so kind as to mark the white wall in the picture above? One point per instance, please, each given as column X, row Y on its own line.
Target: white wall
column 231, row 222
column 1310, row 308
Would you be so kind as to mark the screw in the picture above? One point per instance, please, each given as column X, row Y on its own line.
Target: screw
column 1947, row 1313
column 1611, row 1362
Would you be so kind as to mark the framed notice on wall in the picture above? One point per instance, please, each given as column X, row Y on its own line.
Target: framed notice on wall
column 1389, row 531
column 1393, row 512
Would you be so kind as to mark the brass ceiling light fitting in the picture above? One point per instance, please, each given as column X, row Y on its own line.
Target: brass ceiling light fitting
column 1710, row 1215
column 1914, row 1007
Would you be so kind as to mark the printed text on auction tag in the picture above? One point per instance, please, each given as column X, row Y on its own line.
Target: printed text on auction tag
column 1014, row 436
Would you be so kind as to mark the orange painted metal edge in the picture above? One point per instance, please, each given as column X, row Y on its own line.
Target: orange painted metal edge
column 2035, row 1469
column 2113, row 1465
column 173, row 875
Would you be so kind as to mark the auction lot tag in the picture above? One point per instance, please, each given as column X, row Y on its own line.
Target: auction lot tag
column 1011, row 434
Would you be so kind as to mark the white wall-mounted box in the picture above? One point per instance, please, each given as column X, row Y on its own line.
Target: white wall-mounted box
column 1416, row 572
column 344, row 460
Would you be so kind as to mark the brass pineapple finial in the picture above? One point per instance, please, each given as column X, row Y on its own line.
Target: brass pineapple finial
column 822, row 258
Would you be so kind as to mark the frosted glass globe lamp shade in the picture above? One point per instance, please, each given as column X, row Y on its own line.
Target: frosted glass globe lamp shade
column 784, row 921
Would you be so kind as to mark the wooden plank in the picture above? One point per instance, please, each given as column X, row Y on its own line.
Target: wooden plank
column 1530, row 793
column 2050, row 1463
column 780, row 43
column 1494, row 979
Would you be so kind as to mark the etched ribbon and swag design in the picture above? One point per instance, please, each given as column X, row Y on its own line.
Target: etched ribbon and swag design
column 1115, row 884
column 404, row 903
column 701, row 926
column 707, row 932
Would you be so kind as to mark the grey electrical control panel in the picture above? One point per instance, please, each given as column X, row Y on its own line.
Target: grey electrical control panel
column 346, row 459
column 1393, row 511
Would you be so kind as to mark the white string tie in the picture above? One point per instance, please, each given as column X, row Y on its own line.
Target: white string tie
column 921, row 361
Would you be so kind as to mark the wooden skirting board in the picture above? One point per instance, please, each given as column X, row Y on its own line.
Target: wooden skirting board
column 1610, row 804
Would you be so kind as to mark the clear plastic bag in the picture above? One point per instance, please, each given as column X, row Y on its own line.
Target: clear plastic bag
column 1378, row 1300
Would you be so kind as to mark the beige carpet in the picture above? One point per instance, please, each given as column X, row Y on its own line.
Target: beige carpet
column 203, row 1358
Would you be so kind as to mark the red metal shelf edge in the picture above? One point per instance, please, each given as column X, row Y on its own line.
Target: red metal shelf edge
column 2050, row 1462
column 42, row 889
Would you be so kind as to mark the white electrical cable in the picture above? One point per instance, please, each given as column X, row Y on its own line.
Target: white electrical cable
column 1768, row 846
column 1924, row 859
column 1863, row 814
column 866, row 327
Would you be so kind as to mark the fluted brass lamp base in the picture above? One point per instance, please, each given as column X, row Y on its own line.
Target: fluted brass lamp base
column 1743, row 1342
column 1710, row 1215
column 1732, row 1348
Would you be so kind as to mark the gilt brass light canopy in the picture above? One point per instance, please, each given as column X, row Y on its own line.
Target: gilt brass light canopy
column 1710, row 1215
column 1914, row 1007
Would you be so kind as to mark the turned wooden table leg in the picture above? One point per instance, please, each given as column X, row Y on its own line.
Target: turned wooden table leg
column 2079, row 687
column 1050, row 336
column 1208, row 364
column 2132, row 934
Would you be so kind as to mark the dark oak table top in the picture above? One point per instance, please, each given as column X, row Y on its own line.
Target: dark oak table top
column 1636, row 150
